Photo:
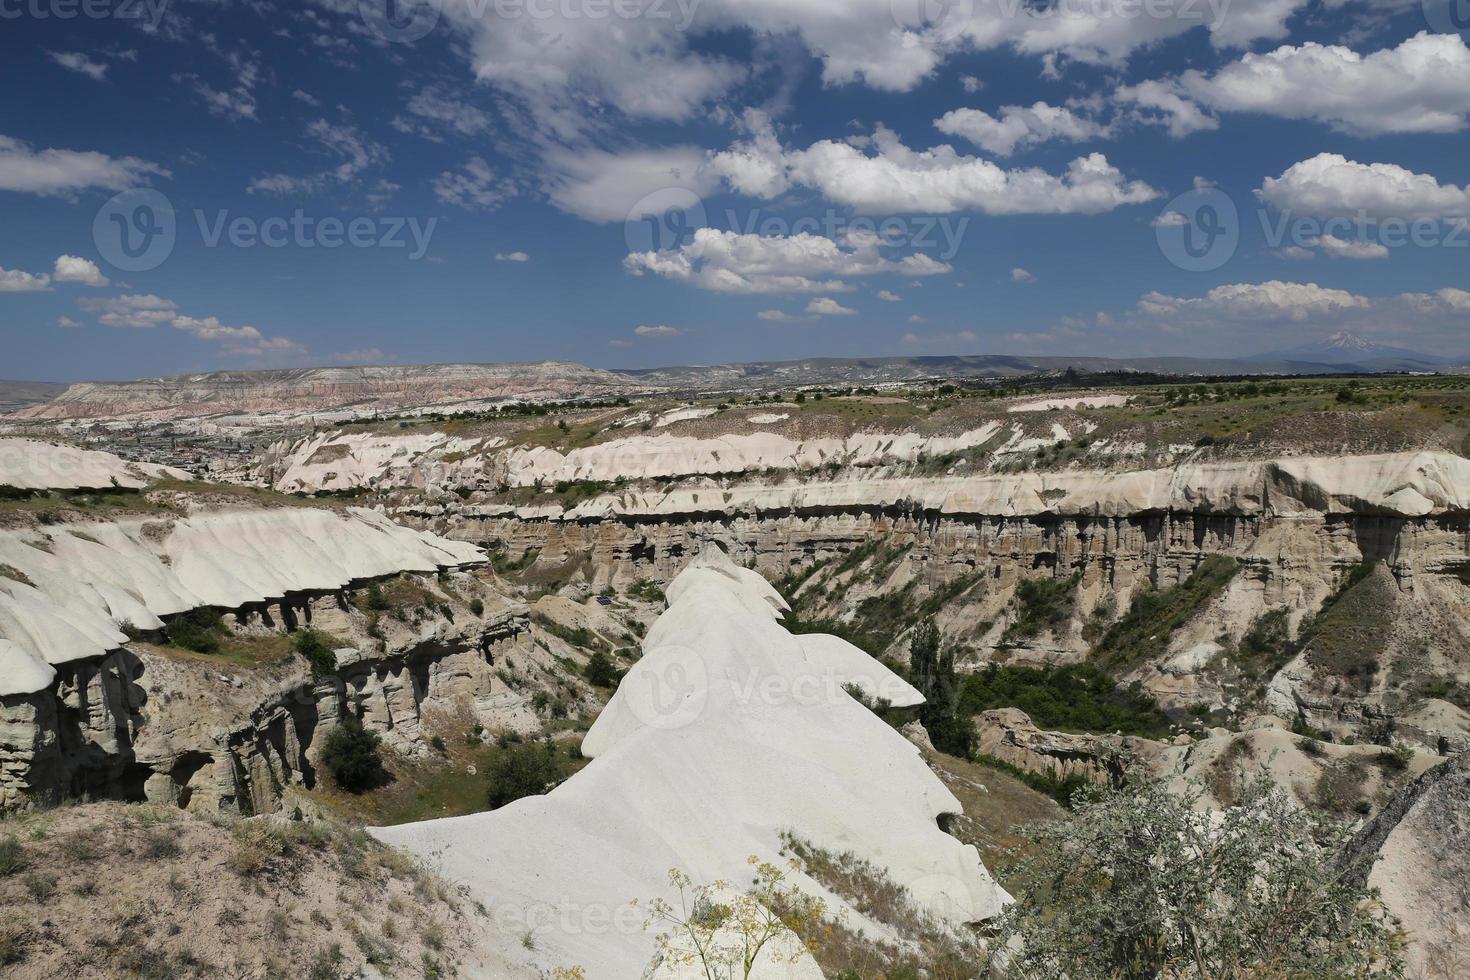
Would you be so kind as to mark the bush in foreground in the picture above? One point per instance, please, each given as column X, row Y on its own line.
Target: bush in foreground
column 1140, row 883
column 350, row 754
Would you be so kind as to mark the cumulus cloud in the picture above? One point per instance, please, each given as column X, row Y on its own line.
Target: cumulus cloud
column 779, row 316
column 889, row 177
column 827, row 306
column 1343, row 248
column 62, row 173
column 661, row 330
column 16, row 281
column 1421, row 86
column 512, row 257
column 1021, row 275
column 1330, row 185
column 1020, row 127
column 474, row 187
column 1273, row 300
column 731, row 262
column 889, row 297
column 72, row 268
column 145, row 311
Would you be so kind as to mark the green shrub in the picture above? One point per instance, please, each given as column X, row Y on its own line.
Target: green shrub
column 350, row 754
column 1142, row 882
column 375, row 600
column 1045, row 604
column 199, row 630
column 314, row 649
column 600, row 671
column 11, row 859
column 524, row 770
column 477, row 607
column 1074, row 698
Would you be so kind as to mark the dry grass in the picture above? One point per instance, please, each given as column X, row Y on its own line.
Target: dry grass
column 189, row 897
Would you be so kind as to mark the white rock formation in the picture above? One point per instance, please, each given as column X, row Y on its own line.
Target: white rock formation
column 66, row 591
column 1388, row 484
column 27, row 464
column 729, row 732
column 1085, row 401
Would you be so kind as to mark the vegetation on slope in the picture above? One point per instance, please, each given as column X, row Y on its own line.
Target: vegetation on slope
column 1154, row 615
column 1075, row 698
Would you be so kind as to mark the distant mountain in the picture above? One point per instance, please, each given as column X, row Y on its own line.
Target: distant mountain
column 1350, row 349
column 19, row 394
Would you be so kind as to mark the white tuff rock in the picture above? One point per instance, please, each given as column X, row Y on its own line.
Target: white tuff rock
column 728, row 732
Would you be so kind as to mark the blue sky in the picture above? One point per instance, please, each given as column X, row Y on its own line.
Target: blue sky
column 874, row 177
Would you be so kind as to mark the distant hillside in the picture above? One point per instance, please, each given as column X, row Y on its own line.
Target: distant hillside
column 18, row 394
column 1349, row 350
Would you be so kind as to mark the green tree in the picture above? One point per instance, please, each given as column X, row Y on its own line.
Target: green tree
column 601, row 672
column 524, row 770
column 1140, row 883
column 931, row 671
column 350, row 754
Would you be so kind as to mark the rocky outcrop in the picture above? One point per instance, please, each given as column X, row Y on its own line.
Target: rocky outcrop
column 1416, row 852
column 27, row 464
column 728, row 735
column 1008, row 734
column 147, row 722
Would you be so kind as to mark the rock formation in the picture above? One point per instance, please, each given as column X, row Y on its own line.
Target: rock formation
column 728, row 732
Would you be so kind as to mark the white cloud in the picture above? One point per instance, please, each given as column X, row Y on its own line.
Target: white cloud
column 72, row 268
column 1296, row 253
column 62, row 173
column 136, row 310
column 1021, row 275
column 779, row 316
column 1421, row 86
column 432, row 113
column 355, row 152
column 971, row 84
column 1344, row 249
column 605, row 186
column 916, row 318
column 1331, row 185
column 941, row 340
column 474, row 187
column 236, row 102
column 67, row 323
column 889, row 297
column 1019, row 127
column 895, row 179
column 146, row 311
column 620, row 342
column 512, row 257
column 300, row 95
column 79, row 63
column 661, row 330
column 16, row 281
column 730, row 262
column 1160, row 103
column 827, row 306
column 1273, row 300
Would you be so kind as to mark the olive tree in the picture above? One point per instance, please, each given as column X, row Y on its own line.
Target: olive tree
column 1142, row 883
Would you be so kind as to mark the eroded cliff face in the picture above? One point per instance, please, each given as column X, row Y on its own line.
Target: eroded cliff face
column 157, row 723
column 1387, row 673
